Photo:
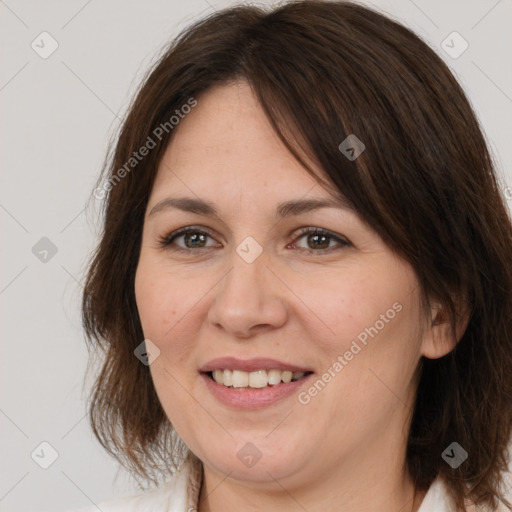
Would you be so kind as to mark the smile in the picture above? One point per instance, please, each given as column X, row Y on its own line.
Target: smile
column 256, row 379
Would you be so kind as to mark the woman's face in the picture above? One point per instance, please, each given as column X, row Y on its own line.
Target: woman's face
column 250, row 283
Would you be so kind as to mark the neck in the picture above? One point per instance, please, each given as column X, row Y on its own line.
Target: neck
column 383, row 491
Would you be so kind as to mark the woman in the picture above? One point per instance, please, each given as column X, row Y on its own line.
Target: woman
column 303, row 282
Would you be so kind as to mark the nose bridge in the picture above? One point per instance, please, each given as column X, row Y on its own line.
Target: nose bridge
column 245, row 298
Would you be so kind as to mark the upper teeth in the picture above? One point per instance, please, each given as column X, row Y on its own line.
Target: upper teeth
column 257, row 379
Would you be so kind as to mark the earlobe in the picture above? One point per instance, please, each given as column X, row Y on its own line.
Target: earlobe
column 438, row 338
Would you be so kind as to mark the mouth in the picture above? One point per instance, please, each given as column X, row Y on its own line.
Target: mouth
column 258, row 379
column 252, row 384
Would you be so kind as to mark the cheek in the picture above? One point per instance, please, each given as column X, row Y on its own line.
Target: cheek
column 159, row 300
column 339, row 308
column 371, row 319
column 169, row 305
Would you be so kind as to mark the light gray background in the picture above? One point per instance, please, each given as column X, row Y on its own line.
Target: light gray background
column 57, row 116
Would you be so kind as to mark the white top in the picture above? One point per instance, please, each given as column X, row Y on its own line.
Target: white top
column 181, row 493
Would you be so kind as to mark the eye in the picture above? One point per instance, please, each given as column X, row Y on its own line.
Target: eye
column 192, row 238
column 195, row 238
column 319, row 240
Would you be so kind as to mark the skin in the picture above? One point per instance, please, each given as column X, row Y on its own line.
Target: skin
column 345, row 449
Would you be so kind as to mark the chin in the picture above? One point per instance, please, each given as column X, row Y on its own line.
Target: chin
column 254, row 461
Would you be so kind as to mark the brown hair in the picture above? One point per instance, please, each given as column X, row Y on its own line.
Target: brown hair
column 425, row 182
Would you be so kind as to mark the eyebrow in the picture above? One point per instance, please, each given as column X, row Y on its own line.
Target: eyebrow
column 286, row 209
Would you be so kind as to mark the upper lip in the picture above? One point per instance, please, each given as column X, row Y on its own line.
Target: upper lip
column 250, row 365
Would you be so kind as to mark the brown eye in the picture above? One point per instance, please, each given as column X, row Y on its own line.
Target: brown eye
column 318, row 240
column 193, row 238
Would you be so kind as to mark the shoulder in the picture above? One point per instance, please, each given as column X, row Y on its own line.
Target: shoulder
column 143, row 502
column 437, row 499
column 178, row 494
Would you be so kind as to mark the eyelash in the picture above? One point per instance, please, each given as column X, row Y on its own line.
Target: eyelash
column 166, row 241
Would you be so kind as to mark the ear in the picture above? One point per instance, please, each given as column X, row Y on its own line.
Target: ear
column 438, row 337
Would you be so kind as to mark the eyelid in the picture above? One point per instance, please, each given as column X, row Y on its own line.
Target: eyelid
column 322, row 231
column 166, row 241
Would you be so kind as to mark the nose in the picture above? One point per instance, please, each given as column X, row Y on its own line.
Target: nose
column 249, row 299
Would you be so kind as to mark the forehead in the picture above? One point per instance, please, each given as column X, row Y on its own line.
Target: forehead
column 226, row 143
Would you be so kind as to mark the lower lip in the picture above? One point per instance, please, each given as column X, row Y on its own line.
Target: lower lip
column 252, row 398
